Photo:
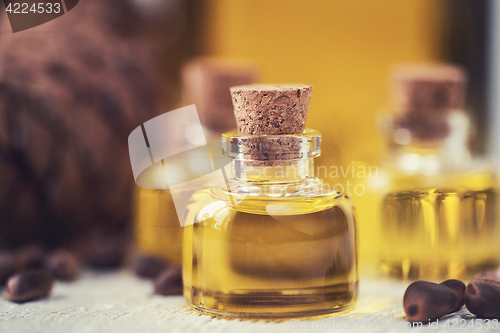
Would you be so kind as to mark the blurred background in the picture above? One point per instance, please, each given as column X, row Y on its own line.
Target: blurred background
column 73, row 89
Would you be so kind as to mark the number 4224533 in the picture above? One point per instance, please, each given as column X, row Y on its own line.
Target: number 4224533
column 36, row 8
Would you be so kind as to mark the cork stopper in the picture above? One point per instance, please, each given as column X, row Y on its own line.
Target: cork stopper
column 424, row 96
column 271, row 109
column 424, row 88
column 206, row 82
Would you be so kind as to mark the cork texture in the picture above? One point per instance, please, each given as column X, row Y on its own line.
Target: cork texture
column 429, row 88
column 271, row 110
column 424, row 95
column 206, row 82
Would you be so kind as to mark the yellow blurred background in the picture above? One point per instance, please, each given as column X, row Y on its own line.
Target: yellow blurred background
column 343, row 48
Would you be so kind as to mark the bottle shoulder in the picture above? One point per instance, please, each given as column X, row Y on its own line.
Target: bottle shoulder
column 397, row 173
column 219, row 197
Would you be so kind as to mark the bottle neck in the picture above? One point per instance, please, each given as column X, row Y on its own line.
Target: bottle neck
column 273, row 172
column 274, row 165
column 443, row 143
column 272, row 158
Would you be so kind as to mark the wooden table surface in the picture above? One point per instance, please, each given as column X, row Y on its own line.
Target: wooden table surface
column 119, row 302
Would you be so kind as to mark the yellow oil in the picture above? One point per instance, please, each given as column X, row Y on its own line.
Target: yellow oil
column 157, row 228
column 243, row 262
column 440, row 233
column 429, row 227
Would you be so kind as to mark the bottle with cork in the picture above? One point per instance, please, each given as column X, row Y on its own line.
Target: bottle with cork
column 271, row 241
column 205, row 83
column 438, row 208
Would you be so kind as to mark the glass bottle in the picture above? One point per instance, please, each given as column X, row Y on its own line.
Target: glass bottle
column 157, row 229
column 272, row 241
column 439, row 207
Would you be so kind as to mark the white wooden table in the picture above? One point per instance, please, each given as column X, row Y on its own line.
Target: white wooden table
column 120, row 302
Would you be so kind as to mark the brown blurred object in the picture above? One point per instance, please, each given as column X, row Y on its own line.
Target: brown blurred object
column 424, row 95
column 71, row 91
column 206, row 82
column 27, row 286
column 169, row 282
column 103, row 252
column 30, row 257
column 8, row 266
column 148, row 266
column 429, row 88
column 62, row 265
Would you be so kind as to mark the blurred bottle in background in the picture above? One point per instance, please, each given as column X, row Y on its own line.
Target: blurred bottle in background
column 433, row 212
column 205, row 83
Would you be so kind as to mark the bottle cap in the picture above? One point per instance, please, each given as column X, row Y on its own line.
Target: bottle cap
column 271, row 109
column 424, row 96
column 206, row 83
column 429, row 88
column 266, row 112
